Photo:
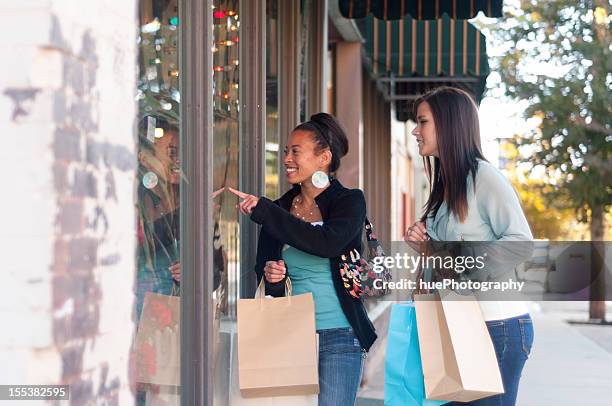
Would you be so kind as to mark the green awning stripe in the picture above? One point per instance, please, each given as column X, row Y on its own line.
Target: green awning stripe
column 420, row 9
column 395, row 46
column 434, row 55
column 443, row 48
column 420, row 50
column 471, row 44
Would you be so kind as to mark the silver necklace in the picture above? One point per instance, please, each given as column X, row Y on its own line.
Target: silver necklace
column 298, row 214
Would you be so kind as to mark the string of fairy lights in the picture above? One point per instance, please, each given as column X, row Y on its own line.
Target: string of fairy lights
column 158, row 90
column 226, row 26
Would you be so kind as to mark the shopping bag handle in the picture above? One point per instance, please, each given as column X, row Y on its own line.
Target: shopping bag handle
column 176, row 289
column 260, row 293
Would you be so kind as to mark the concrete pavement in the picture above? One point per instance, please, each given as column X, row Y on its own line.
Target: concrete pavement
column 569, row 364
column 566, row 367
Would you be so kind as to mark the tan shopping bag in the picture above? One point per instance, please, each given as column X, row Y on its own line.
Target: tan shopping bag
column 459, row 361
column 158, row 340
column 236, row 398
column 163, row 396
column 277, row 348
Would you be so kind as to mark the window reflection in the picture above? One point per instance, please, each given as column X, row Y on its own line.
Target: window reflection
column 306, row 7
column 155, row 356
column 226, row 107
column 272, row 128
column 331, row 80
column 226, row 237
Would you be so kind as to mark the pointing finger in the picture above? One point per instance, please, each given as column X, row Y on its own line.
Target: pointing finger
column 238, row 193
column 217, row 192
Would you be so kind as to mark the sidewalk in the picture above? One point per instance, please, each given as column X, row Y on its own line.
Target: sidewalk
column 567, row 366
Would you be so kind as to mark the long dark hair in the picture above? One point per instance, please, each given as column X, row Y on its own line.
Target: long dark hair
column 455, row 115
column 327, row 132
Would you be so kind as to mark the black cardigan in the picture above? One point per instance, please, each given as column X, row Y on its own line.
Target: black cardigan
column 343, row 211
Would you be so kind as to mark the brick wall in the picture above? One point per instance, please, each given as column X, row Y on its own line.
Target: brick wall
column 67, row 161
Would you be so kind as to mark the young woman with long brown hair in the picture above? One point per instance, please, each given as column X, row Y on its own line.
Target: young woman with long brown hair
column 471, row 200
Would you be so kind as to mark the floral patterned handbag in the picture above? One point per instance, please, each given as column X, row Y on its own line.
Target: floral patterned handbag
column 358, row 274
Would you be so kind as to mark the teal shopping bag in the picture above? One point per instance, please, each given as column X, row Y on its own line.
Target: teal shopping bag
column 404, row 385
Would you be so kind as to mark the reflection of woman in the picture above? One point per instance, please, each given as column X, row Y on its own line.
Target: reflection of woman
column 158, row 253
column 219, row 258
column 303, row 235
column 471, row 200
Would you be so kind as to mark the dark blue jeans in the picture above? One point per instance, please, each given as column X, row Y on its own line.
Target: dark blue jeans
column 512, row 339
column 340, row 364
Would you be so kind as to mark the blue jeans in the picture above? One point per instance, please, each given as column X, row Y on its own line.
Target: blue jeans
column 340, row 364
column 512, row 339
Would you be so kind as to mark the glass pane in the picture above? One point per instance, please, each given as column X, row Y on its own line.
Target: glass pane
column 304, row 33
column 272, row 129
column 226, row 109
column 331, row 78
column 156, row 350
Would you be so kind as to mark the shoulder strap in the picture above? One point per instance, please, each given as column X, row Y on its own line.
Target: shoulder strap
column 369, row 228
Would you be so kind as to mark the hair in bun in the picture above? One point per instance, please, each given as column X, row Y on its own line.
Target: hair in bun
column 327, row 133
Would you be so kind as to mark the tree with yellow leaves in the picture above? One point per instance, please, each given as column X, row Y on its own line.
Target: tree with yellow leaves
column 558, row 60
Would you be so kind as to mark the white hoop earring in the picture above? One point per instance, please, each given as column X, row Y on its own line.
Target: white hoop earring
column 320, row 179
column 150, row 180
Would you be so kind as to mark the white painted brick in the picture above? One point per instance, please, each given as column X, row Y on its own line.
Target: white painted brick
column 18, row 372
column 39, row 109
column 27, row 140
column 29, row 329
column 15, row 69
column 47, row 68
column 128, row 13
column 52, row 362
column 6, row 106
column 118, row 296
column 45, row 37
column 87, row 14
column 26, row 27
column 31, row 208
column 114, row 347
column 7, row 6
column 32, row 291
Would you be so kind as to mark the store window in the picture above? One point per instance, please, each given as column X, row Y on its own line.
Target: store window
column 306, row 8
column 330, row 79
column 156, row 353
column 226, row 107
column 226, row 170
column 273, row 156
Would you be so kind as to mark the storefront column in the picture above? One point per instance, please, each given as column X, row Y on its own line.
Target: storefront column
column 196, row 202
column 349, row 110
column 377, row 158
column 252, row 128
column 289, row 87
column 316, row 95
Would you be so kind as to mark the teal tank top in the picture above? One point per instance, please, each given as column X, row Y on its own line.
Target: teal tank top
column 310, row 273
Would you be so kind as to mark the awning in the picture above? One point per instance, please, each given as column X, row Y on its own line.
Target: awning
column 420, row 9
column 409, row 57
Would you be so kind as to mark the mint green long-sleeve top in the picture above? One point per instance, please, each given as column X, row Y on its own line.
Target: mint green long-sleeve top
column 497, row 228
column 494, row 212
column 495, row 220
